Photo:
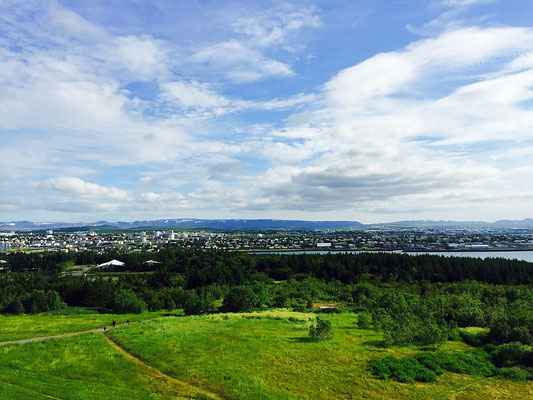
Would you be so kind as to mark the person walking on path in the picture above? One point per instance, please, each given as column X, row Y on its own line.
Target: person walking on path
column 114, row 323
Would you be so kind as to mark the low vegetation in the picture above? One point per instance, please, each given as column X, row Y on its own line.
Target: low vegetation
column 393, row 326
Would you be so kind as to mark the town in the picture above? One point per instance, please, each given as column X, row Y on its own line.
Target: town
column 382, row 239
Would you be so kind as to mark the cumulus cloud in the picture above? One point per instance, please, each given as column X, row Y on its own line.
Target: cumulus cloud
column 79, row 188
column 443, row 123
column 383, row 137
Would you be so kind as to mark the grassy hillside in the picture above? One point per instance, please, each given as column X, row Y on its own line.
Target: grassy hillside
column 235, row 356
column 81, row 367
column 53, row 323
column 269, row 358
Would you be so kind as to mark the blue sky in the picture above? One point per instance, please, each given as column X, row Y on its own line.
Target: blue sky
column 355, row 110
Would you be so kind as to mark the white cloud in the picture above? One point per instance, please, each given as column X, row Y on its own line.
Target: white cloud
column 274, row 28
column 193, row 95
column 463, row 3
column 243, row 58
column 384, row 141
column 79, row 188
column 240, row 63
column 444, row 123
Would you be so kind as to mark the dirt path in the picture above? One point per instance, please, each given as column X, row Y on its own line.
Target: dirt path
column 59, row 336
column 177, row 386
column 457, row 391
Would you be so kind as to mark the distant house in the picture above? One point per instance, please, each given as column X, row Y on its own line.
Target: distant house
column 152, row 262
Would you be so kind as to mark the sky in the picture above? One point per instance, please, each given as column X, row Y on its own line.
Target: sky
column 367, row 110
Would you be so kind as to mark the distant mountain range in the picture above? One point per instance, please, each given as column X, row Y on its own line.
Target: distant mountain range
column 503, row 223
column 259, row 224
column 185, row 222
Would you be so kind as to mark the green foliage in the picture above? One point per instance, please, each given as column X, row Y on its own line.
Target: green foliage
column 513, row 326
column 15, row 307
column 364, row 320
column 245, row 298
column 424, row 367
column 126, row 301
column 473, row 339
column 510, row 354
column 410, row 319
column 516, row 374
column 38, row 301
column 406, row 369
column 321, row 330
column 198, row 304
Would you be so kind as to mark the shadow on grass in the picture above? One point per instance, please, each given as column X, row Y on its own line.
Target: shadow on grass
column 302, row 340
column 374, row 343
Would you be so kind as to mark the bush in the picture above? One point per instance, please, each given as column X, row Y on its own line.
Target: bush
column 510, row 354
column 198, row 304
column 15, row 307
column 514, row 373
column 431, row 361
column 39, row 301
column 126, row 301
column 364, row 320
column 473, row 339
column 424, row 367
column 425, row 375
column 406, row 369
column 322, row 330
column 245, row 298
column 514, row 327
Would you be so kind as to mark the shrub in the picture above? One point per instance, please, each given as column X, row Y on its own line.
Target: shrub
column 424, row 367
column 510, row 354
column 425, row 375
column 321, row 330
column 15, row 307
column 473, row 339
column 364, row 320
column 126, row 301
column 514, row 373
column 513, row 327
column 245, row 298
column 431, row 361
column 406, row 369
column 39, row 301
column 198, row 304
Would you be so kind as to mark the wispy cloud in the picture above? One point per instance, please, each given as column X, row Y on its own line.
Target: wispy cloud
column 101, row 121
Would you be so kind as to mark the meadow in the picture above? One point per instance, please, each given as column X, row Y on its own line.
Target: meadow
column 239, row 328
column 272, row 358
column 261, row 355
column 71, row 319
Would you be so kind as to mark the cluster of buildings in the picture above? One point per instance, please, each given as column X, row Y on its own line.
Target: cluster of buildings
column 362, row 239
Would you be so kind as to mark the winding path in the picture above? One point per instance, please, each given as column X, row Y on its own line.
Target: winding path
column 156, row 374
column 59, row 336
column 176, row 385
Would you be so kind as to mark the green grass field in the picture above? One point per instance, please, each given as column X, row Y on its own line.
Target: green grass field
column 235, row 356
column 48, row 324
column 273, row 359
